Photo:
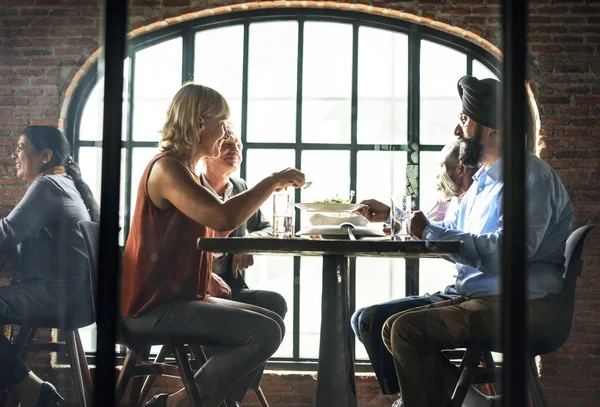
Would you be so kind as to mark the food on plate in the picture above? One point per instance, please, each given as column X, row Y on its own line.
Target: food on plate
column 336, row 200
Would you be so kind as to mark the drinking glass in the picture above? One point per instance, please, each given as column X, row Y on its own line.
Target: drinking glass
column 283, row 215
column 400, row 209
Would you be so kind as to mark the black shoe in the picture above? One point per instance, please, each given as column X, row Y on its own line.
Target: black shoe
column 49, row 397
column 160, row 400
column 231, row 403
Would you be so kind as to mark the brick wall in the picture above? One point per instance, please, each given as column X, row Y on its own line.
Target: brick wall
column 44, row 42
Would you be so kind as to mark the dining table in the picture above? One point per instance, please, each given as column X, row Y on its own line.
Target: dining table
column 336, row 386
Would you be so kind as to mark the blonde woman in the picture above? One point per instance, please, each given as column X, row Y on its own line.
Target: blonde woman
column 167, row 285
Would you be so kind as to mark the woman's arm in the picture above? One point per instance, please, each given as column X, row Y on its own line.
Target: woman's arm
column 170, row 182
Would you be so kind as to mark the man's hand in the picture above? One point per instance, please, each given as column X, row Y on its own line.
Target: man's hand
column 218, row 288
column 241, row 262
column 418, row 221
column 374, row 211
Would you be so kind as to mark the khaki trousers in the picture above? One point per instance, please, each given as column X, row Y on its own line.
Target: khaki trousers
column 415, row 338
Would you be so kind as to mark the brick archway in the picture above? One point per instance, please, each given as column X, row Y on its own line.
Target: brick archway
column 464, row 33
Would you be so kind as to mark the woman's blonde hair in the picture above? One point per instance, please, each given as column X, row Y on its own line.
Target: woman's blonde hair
column 189, row 104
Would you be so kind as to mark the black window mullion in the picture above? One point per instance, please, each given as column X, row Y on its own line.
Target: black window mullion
column 188, row 56
column 244, row 125
column 298, row 163
column 413, row 136
column 354, row 153
column 469, row 64
column 129, row 146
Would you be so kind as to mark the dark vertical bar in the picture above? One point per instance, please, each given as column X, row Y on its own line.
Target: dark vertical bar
column 413, row 147
column 188, row 54
column 514, row 305
column 129, row 146
column 244, row 129
column 114, row 31
column 354, row 156
column 298, row 163
column 469, row 65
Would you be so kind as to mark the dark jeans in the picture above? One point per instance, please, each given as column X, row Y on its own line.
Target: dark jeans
column 20, row 302
column 247, row 335
column 269, row 300
column 367, row 324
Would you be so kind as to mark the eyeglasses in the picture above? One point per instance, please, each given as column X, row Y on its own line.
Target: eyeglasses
column 463, row 118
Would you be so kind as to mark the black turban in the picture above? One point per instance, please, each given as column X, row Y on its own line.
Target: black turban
column 480, row 99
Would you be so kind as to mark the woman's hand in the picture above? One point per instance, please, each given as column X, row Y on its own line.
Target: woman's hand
column 287, row 177
column 374, row 210
column 218, row 288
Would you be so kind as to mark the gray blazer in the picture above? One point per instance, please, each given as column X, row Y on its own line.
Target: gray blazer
column 256, row 225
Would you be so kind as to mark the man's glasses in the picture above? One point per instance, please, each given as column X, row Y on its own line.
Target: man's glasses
column 463, row 118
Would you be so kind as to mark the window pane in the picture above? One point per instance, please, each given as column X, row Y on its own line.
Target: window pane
column 311, row 285
column 480, row 71
column 276, row 273
column 330, row 173
column 272, row 272
column 219, row 63
column 262, row 163
column 326, row 82
column 377, row 281
column 435, row 275
column 272, row 82
column 90, row 127
column 140, row 159
column 382, row 86
column 157, row 78
column 440, row 102
column 430, row 167
column 90, row 163
column 380, row 175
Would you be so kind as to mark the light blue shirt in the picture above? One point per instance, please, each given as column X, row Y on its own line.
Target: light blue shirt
column 478, row 222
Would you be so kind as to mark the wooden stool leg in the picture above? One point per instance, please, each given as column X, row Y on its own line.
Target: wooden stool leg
column 162, row 355
column 187, row 376
column 76, row 368
column 85, row 369
column 468, row 365
column 128, row 365
column 138, row 381
column 536, row 392
column 261, row 397
column 487, row 360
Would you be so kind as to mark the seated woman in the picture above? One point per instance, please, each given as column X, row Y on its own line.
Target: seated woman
column 165, row 279
column 51, row 270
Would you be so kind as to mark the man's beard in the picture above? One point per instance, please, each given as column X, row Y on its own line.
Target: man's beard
column 470, row 149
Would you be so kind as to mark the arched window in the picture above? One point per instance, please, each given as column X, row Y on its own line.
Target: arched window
column 357, row 102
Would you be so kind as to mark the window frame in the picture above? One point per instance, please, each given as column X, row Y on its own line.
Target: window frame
column 187, row 31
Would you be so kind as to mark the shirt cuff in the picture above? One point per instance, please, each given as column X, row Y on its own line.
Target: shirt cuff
column 432, row 232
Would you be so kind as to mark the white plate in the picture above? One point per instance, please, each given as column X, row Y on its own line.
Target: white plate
column 336, row 232
column 328, row 207
column 319, row 219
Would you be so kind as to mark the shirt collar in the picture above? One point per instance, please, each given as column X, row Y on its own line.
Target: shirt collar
column 206, row 184
column 494, row 172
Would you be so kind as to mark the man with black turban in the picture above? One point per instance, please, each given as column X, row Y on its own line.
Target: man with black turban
column 416, row 337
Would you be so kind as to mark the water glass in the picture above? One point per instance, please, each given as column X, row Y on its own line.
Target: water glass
column 283, row 215
column 400, row 209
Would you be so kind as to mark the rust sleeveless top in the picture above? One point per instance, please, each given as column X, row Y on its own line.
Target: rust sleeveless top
column 161, row 262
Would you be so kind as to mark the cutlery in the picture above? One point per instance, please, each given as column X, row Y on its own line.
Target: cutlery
column 306, row 184
column 349, row 228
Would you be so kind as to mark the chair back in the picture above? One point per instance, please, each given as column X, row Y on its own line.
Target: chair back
column 91, row 236
column 566, row 298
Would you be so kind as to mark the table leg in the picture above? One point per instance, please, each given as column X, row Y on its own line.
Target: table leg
column 336, row 386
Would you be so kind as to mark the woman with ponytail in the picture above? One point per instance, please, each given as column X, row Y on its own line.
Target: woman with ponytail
column 51, row 262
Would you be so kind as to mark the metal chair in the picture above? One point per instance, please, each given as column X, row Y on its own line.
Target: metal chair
column 471, row 373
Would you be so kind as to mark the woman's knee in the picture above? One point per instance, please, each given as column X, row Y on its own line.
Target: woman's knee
column 355, row 321
column 268, row 334
column 278, row 305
